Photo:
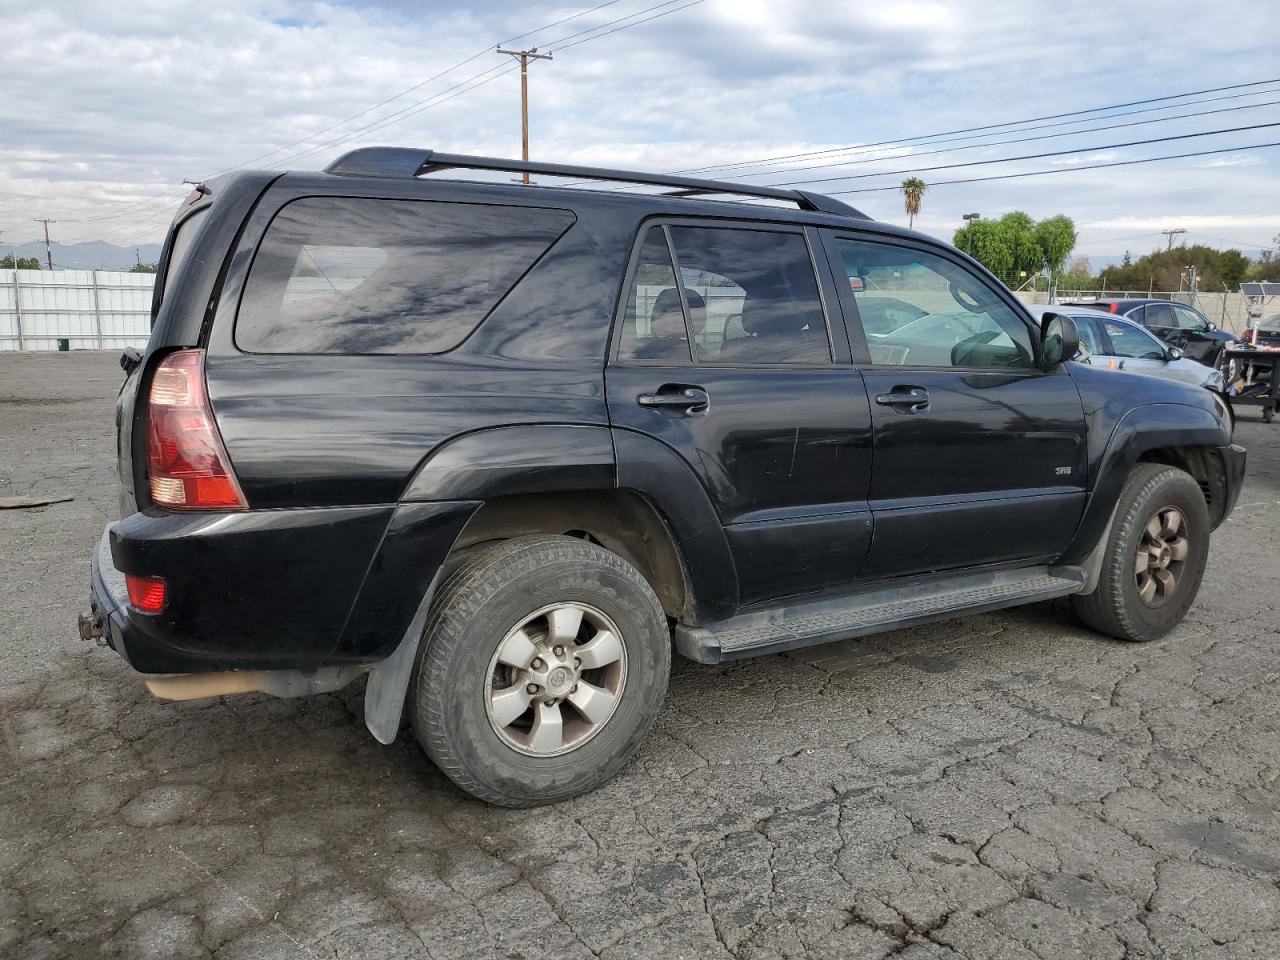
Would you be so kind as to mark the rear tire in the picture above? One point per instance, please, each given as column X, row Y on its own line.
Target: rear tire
column 521, row 696
column 1155, row 557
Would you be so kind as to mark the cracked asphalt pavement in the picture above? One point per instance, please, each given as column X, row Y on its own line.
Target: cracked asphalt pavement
column 1001, row 786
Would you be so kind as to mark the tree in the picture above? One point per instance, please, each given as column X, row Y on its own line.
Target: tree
column 24, row 263
column 1057, row 238
column 913, row 191
column 1015, row 243
column 986, row 242
column 1019, row 232
column 144, row 268
column 1165, row 269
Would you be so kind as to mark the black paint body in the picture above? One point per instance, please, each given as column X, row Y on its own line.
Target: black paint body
column 362, row 471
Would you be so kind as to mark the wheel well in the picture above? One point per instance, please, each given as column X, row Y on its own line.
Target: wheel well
column 618, row 520
column 1205, row 466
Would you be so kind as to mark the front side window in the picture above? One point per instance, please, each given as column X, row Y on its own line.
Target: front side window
column 1088, row 334
column 354, row 275
column 1129, row 341
column 1188, row 319
column 919, row 309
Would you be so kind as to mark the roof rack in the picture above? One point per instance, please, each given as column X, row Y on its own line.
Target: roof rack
column 408, row 162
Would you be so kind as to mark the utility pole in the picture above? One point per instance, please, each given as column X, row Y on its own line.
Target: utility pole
column 48, row 250
column 1171, row 234
column 525, row 56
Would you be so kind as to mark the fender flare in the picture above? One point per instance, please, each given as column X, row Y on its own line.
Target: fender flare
column 540, row 458
column 1140, row 430
column 533, row 458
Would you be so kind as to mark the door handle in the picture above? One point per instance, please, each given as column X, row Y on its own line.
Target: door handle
column 676, row 397
column 914, row 398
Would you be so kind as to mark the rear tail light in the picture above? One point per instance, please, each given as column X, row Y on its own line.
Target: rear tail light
column 146, row 594
column 1114, row 308
column 186, row 462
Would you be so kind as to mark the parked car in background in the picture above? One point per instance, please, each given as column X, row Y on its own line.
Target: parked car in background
column 1115, row 343
column 1176, row 324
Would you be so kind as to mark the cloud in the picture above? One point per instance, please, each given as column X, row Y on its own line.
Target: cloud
column 105, row 114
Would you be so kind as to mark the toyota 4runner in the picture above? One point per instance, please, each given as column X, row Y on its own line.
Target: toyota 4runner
column 500, row 448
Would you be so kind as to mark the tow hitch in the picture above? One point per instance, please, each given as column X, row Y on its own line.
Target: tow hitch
column 90, row 624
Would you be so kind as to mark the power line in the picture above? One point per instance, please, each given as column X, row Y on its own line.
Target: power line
column 370, row 109
column 471, row 83
column 555, row 45
column 928, row 140
column 1075, row 169
column 1026, row 156
column 1043, row 136
column 989, row 126
column 417, row 86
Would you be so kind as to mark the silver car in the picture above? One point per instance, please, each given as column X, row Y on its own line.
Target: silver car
column 1118, row 344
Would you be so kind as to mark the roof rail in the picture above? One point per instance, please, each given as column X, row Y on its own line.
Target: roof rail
column 408, row 162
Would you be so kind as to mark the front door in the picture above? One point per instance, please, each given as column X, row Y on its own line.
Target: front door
column 979, row 452
column 734, row 367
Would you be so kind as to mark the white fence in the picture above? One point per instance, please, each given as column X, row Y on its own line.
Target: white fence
column 93, row 309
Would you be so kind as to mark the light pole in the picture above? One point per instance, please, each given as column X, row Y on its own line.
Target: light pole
column 968, row 223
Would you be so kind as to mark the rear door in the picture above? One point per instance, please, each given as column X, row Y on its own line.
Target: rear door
column 979, row 453
column 1160, row 320
column 733, row 366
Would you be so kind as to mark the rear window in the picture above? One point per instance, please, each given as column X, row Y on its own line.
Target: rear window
column 348, row 275
column 181, row 246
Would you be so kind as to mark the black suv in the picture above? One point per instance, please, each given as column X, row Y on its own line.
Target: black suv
column 1176, row 324
column 501, row 447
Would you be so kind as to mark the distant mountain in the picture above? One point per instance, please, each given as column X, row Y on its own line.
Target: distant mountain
column 92, row 255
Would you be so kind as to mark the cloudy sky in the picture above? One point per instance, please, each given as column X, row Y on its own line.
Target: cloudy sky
column 108, row 107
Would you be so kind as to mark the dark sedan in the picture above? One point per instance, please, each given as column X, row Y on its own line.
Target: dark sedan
column 1175, row 323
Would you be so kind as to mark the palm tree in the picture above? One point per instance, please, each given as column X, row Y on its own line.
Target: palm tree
column 913, row 190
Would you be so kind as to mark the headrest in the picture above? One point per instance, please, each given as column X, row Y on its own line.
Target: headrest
column 772, row 318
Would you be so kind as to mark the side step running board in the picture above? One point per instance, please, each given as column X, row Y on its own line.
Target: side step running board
column 888, row 608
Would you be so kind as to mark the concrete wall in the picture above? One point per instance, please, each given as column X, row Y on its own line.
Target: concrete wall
column 94, row 309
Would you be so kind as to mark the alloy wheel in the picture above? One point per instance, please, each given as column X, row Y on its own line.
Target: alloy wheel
column 555, row 679
column 1162, row 553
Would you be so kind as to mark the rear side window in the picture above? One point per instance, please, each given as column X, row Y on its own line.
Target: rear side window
column 351, row 275
column 1159, row 315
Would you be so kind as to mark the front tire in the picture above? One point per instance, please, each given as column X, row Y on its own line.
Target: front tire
column 543, row 666
column 1155, row 556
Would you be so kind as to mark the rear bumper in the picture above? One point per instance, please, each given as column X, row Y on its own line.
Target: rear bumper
column 108, row 597
column 271, row 589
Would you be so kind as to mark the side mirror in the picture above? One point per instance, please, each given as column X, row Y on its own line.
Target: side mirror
column 1059, row 339
column 1172, row 353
